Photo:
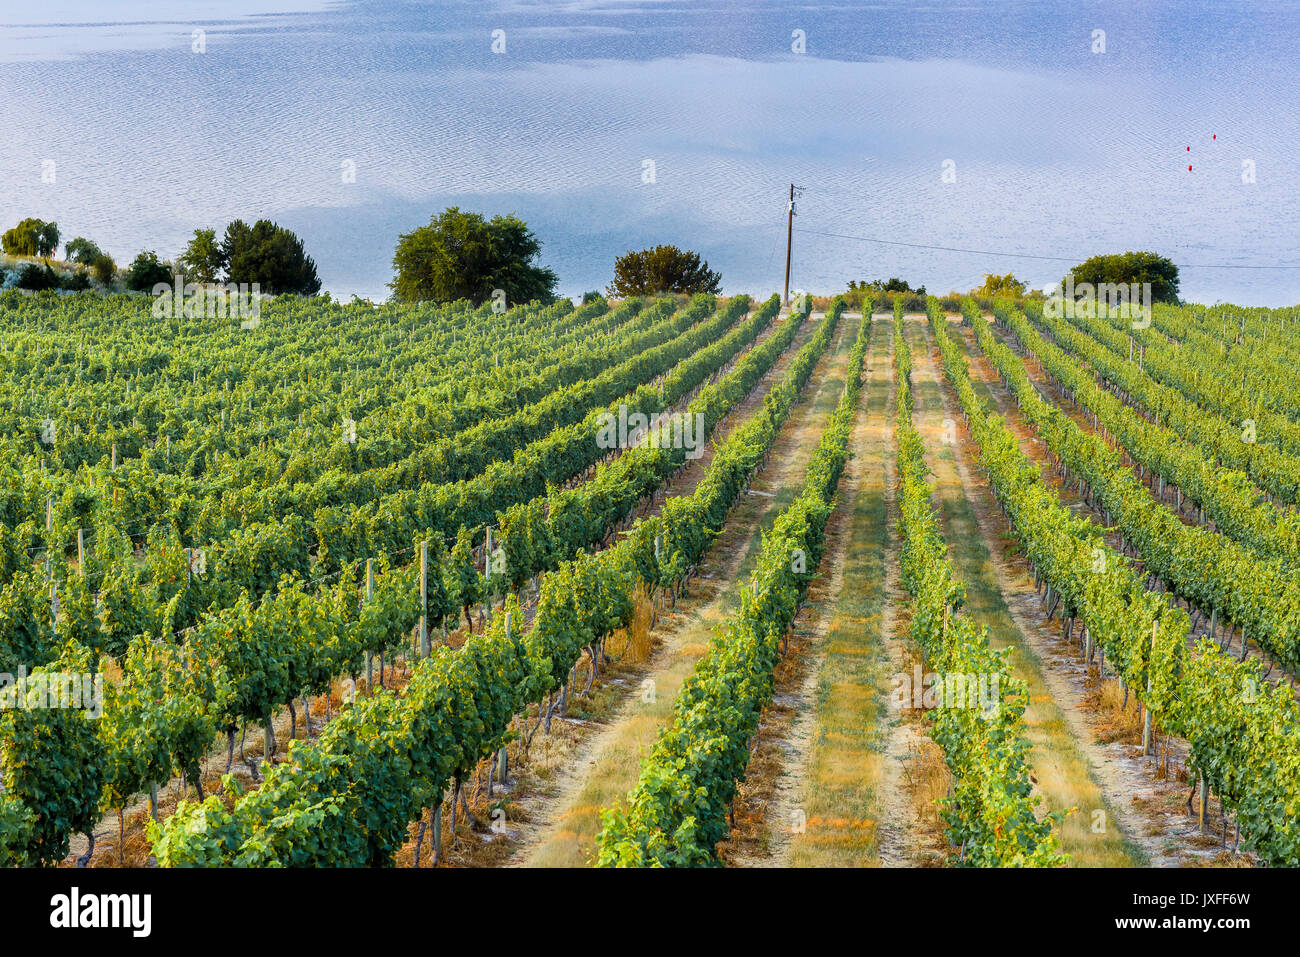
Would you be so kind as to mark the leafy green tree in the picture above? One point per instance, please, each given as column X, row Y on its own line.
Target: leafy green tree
column 461, row 255
column 885, row 293
column 103, row 269
column 893, row 284
column 82, row 251
column 47, row 240
column 995, row 286
column 269, row 255
column 29, row 238
column 663, row 269
column 203, row 260
column 146, row 271
column 1131, row 267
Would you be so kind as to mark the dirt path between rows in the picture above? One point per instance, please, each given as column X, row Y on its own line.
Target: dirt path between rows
column 1149, row 809
column 832, row 773
column 564, row 819
column 1065, row 767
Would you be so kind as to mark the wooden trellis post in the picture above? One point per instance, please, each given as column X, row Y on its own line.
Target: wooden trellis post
column 1146, row 714
column 424, row 598
column 503, row 756
column 370, row 593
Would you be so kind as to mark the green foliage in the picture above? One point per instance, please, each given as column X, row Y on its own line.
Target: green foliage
column 1236, row 726
column 1131, row 267
column 47, row 239
column 74, row 282
column 37, row 277
column 361, row 787
column 264, row 253
column 52, row 761
column 460, row 255
column 147, row 271
column 251, row 652
column 677, row 813
column 103, row 269
column 893, row 284
column 991, row 812
column 17, row 824
column 886, row 294
column 134, row 728
column 204, row 260
column 82, row 251
column 1007, row 286
column 23, row 239
column 661, row 270
column 26, row 631
column 31, row 237
column 1258, row 592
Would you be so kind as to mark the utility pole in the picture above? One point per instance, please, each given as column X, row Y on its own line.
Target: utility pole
column 789, row 238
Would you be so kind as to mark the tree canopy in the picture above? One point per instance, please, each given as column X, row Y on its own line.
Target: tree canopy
column 82, row 251
column 264, row 253
column 893, row 284
column 203, row 259
column 31, row 237
column 461, row 255
column 146, row 271
column 1131, row 267
column 663, row 269
column 103, row 269
column 995, row 285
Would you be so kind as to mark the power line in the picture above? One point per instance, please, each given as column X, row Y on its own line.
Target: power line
column 990, row 252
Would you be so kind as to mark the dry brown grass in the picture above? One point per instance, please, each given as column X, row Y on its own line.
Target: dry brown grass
column 634, row 643
column 749, row 837
column 929, row 781
column 1115, row 722
column 491, row 838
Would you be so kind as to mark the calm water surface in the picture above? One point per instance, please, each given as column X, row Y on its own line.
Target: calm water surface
column 1057, row 151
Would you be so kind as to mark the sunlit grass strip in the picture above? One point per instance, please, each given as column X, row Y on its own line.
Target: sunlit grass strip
column 678, row 811
column 1244, row 734
column 990, row 814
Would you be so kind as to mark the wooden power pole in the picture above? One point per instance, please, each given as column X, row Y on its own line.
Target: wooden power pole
column 789, row 237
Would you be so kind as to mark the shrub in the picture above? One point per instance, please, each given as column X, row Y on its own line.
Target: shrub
column 464, row 256
column 103, row 269
column 146, row 271
column 74, row 281
column 37, row 277
column 663, row 269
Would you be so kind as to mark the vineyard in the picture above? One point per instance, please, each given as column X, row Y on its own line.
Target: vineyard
column 661, row 582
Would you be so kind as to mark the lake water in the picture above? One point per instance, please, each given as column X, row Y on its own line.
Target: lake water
column 1055, row 150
